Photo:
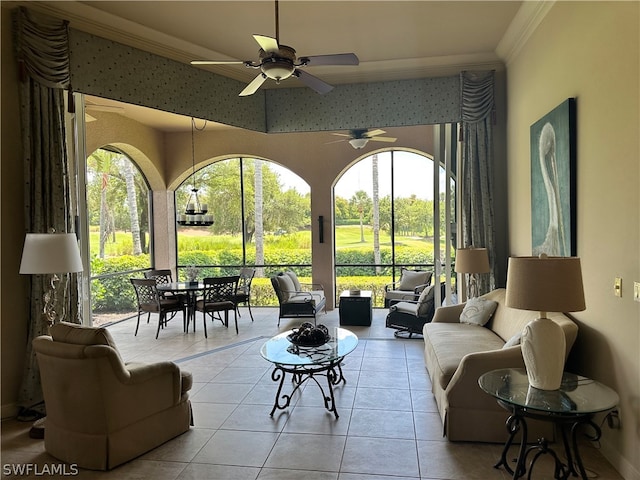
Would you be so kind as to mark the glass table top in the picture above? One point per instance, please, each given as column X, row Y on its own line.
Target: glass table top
column 281, row 351
column 577, row 395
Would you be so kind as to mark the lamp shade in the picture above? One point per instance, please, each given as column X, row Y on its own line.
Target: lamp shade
column 545, row 284
column 472, row 260
column 45, row 253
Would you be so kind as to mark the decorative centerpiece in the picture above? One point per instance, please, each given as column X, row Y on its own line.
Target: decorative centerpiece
column 192, row 273
column 308, row 335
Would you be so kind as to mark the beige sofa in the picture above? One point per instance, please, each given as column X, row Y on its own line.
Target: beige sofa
column 456, row 354
column 102, row 412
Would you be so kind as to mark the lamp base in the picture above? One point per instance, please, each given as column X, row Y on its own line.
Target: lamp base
column 543, row 350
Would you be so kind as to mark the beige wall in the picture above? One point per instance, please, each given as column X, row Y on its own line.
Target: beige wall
column 589, row 50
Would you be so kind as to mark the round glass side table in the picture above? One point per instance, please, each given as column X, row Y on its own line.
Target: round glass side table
column 570, row 407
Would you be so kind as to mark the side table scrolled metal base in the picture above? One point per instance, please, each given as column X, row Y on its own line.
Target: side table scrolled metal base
column 517, row 423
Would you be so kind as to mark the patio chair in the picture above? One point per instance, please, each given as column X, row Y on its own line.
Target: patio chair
column 165, row 277
column 150, row 301
column 243, row 292
column 409, row 316
column 411, row 283
column 218, row 296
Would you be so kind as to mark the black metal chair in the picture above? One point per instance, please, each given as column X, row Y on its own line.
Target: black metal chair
column 243, row 292
column 150, row 301
column 218, row 296
column 164, row 277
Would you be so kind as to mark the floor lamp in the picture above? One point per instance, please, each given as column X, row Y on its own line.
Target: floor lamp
column 472, row 261
column 49, row 254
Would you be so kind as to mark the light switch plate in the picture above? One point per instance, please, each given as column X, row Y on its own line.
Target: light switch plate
column 617, row 287
column 636, row 291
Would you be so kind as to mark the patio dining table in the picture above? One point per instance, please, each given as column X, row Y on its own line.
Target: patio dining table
column 190, row 290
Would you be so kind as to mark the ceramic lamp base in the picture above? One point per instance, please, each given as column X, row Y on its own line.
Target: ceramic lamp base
column 543, row 350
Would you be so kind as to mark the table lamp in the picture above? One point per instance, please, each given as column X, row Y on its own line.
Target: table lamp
column 50, row 254
column 544, row 284
column 472, row 261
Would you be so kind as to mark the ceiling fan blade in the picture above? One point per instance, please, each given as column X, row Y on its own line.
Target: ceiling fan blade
column 253, row 86
column 341, row 135
column 216, row 62
column 335, row 59
column 373, row 133
column 383, row 139
column 267, row 44
column 336, row 141
column 312, row 82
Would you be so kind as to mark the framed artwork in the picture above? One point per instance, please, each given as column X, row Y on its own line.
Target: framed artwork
column 553, row 182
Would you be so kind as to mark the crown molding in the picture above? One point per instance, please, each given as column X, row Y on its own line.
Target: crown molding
column 524, row 24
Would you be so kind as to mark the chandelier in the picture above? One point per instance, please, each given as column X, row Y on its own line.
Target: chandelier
column 195, row 213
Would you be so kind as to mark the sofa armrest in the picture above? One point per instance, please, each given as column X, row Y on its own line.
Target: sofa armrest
column 463, row 389
column 448, row 314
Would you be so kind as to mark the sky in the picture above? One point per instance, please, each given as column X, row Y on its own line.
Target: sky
column 412, row 173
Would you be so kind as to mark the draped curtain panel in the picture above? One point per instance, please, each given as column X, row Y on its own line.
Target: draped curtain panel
column 478, row 113
column 43, row 60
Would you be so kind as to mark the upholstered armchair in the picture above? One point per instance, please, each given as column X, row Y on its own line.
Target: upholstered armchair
column 102, row 412
column 409, row 287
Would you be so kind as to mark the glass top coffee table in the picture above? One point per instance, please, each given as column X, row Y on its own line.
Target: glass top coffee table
column 307, row 363
column 571, row 406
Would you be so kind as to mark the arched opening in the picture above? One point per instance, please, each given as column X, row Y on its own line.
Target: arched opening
column 390, row 212
column 262, row 219
column 118, row 218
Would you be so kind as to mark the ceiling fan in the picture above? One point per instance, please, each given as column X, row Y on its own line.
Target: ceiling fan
column 279, row 62
column 359, row 137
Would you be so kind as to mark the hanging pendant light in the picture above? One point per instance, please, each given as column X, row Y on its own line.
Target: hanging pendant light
column 195, row 213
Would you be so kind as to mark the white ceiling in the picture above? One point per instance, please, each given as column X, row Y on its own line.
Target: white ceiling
column 394, row 40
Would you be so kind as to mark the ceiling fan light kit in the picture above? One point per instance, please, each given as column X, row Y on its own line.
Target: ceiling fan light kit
column 279, row 62
column 359, row 138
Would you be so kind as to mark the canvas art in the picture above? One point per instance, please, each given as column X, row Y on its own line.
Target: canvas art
column 553, row 195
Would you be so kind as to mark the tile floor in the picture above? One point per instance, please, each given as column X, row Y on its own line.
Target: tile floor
column 388, row 427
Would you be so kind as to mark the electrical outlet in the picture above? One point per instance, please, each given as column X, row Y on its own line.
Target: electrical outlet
column 636, row 291
column 617, row 287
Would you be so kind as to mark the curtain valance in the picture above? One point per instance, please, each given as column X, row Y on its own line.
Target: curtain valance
column 477, row 96
column 43, row 49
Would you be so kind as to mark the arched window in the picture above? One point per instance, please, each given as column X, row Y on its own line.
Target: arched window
column 262, row 218
column 385, row 209
column 118, row 206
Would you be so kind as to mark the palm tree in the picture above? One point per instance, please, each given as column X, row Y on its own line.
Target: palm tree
column 376, row 214
column 132, row 202
column 259, row 225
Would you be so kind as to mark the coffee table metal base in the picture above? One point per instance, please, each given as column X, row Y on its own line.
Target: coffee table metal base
column 332, row 371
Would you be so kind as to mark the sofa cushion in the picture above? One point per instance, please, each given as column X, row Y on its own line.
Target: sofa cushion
column 294, row 279
column 447, row 343
column 410, row 279
column 285, row 285
column 478, row 311
column 513, row 341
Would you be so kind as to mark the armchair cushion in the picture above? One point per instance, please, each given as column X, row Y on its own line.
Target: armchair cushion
column 478, row 311
column 286, row 287
column 410, row 279
column 425, row 301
